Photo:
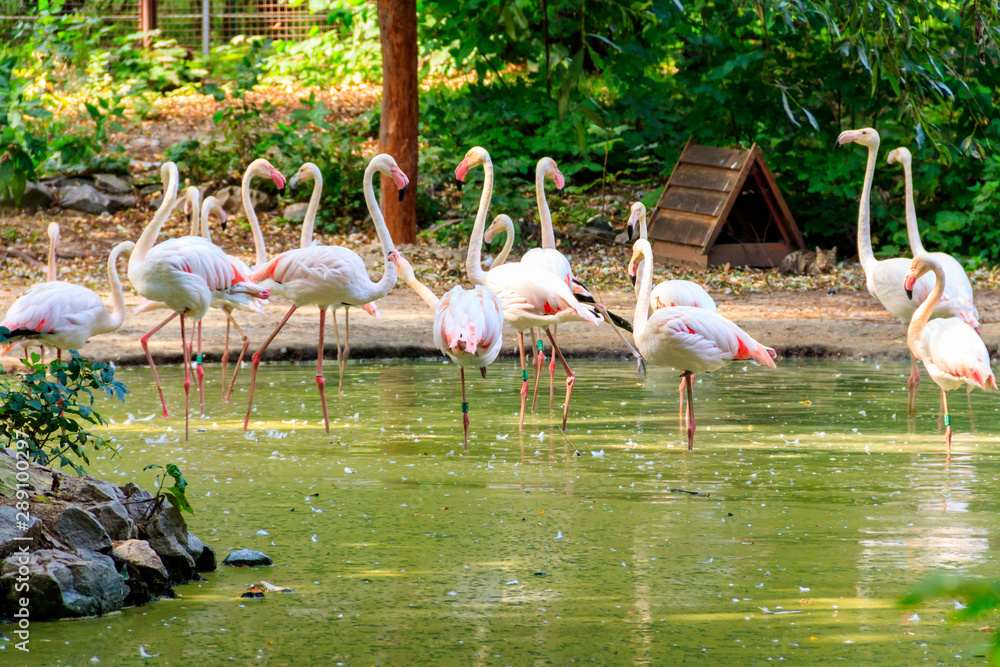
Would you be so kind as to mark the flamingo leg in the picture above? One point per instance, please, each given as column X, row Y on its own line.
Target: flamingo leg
column 187, row 378
column 200, row 371
column 552, row 371
column 570, row 378
column 256, row 362
column 144, row 341
column 690, row 426
column 320, row 380
column 911, row 388
column 58, row 353
column 539, row 355
column 524, row 379
column 947, row 419
column 243, row 351
column 968, row 399
column 336, row 332
column 680, row 413
column 225, row 354
column 465, row 409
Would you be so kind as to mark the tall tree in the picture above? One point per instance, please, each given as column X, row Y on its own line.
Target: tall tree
column 397, row 24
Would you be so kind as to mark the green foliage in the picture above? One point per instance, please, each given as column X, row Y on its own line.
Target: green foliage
column 48, row 407
column 176, row 493
column 21, row 149
column 980, row 598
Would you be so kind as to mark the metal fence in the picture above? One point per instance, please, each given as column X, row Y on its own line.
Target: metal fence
column 195, row 24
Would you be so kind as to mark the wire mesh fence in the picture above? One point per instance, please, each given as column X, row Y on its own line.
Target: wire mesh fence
column 192, row 23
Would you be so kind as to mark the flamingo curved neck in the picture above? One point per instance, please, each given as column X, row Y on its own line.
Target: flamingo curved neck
column 117, row 316
column 421, row 289
column 206, row 212
column 642, row 264
column 641, row 315
column 926, row 309
column 508, row 243
column 865, row 253
column 148, row 237
column 198, row 225
column 260, row 250
column 384, row 285
column 548, row 235
column 912, row 227
column 473, row 262
column 309, row 222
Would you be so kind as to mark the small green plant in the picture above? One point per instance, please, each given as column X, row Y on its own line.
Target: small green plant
column 979, row 598
column 46, row 410
column 176, row 493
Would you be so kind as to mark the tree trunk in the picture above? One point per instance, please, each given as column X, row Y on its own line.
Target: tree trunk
column 397, row 22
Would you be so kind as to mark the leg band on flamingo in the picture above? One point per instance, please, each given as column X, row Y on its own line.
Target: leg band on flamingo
column 524, row 374
column 465, row 407
column 947, row 420
column 538, row 344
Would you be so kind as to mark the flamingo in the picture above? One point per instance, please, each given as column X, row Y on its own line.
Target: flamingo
column 958, row 284
column 468, row 325
column 501, row 223
column 884, row 278
column 531, row 297
column 669, row 292
column 329, row 277
column 63, row 315
column 952, row 351
column 308, row 171
column 691, row 340
column 187, row 275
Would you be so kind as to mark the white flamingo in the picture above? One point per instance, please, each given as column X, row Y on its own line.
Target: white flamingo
column 691, row 340
column 531, row 297
column 63, row 315
column 187, row 275
column 884, row 278
column 468, row 325
column 329, row 277
column 952, row 351
column 668, row 293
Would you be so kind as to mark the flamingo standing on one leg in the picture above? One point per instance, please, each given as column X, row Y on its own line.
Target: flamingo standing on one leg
column 952, row 351
column 531, row 297
column 884, row 278
column 187, row 275
column 468, row 325
column 330, row 277
column 691, row 340
column 669, row 292
column 63, row 315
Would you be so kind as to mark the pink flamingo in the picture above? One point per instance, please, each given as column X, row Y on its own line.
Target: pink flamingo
column 63, row 315
column 468, row 325
column 884, row 278
column 531, row 297
column 691, row 340
column 952, row 351
column 51, row 275
column 187, row 275
column 669, row 292
column 329, row 277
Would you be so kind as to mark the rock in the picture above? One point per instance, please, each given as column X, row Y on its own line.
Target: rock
column 247, row 558
column 63, row 584
column 295, row 212
column 111, row 183
column 168, row 535
column 138, row 502
column 78, row 530
column 195, row 546
column 115, row 519
column 232, row 201
column 10, row 531
column 598, row 222
column 94, row 489
column 152, row 188
column 140, row 554
column 591, row 233
column 83, row 198
column 622, row 238
column 121, row 202
column 204, row 556
column 37, row 195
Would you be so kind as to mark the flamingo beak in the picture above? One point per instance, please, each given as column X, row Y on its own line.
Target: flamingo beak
column 402, row 182
column 632, row 279
column 223, row 217
column 279, row 180
column 560, row 182
column 293, row 183
column 460, row 172
column 908, row 283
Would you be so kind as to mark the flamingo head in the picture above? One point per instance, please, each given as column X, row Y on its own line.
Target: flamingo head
column 641, row 250
column 919, row 265
column 53, row 232
column 306, row 172
column 403, row 267
column 547, row 169
column 900, row 155
column 866, row 136
column 400, row 179
column 501, row 223
column 212, row 205
column 637, row 216
column 261, row 167
column 192, row 199
column 632, row 271
column 476, row 156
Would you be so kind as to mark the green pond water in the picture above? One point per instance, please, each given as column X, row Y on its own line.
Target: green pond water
column 403, row 549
